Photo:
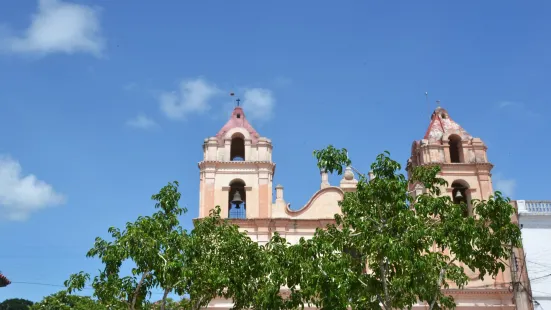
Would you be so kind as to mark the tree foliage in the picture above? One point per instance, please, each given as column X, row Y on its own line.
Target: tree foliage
column 64, row 301
column 214, row 259
column 389, row 249
column 170, row 304
column 15, row 304
column 381, row 252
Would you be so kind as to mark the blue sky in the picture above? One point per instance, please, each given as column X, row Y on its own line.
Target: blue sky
column 103, row 102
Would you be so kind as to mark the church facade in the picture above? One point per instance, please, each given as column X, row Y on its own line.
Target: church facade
column 237, row 172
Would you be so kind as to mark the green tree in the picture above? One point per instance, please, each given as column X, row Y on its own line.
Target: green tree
column 215, row 259
column 15, row 304
column 282, row 266
column 379, row 254
column 152, row 243
column 170, row 304
column 221, row 261
column 64, row 301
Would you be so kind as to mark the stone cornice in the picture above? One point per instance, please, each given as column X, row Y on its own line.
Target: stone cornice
column 478, row 164
column 236, row 164
column 465, row 166
column 454, row 292
column 478, row 291
column 278, row 222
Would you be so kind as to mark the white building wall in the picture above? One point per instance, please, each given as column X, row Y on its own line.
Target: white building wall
column 535, row 218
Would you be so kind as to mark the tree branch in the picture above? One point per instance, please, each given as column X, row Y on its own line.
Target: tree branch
column 440, row 279
column 381, row 301
column 163, row 302
column 382, row 268
column 358, row 172
column 198, row 304
column 161, row 256
column 137, row 290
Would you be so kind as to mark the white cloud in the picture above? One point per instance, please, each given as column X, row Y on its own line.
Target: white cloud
column 258, row 103
column 518, row 107
column 60, row 27
column 141, row 121
column 282, row 81
column 505, row 186
column 130, row 86
column 192, row 97
column 504, row 104
column 22, row 195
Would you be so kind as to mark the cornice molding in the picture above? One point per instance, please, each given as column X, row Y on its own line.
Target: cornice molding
column 277, row 222
column 477, row 164
column 237, row 165
column 478, row 291
column 456, row 292
column 228, row 188
column 455, row 165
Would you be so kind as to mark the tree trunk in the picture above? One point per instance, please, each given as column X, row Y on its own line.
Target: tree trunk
column 163, row 302
column 137, row 291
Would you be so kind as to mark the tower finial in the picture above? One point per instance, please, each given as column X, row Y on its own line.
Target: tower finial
column 236, row 100
column 438, row 103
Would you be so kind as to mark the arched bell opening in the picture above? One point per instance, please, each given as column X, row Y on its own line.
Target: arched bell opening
column 237, row 200
column 461, row 195
column 456, row 149
column 237, row 148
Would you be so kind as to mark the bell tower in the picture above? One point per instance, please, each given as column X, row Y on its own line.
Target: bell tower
column 462, row 158
column 236, row 171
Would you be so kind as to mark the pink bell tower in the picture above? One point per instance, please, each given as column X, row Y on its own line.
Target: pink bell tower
column 462, row 158
column 464, row 165
column 236, row 171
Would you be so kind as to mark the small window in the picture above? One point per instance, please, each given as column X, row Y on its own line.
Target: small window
column 238, row 115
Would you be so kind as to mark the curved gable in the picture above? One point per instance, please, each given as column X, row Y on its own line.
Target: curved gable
column 324, row 204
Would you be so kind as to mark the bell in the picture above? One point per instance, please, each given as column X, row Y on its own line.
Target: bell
column 458, row 195
column 237, row 198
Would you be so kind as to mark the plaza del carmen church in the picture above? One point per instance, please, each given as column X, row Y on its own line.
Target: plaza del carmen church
column 237, row 173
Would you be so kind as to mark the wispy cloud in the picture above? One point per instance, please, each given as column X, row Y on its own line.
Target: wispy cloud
column 197, row 96
column 518, row 107
column 504, row 104
column 193, row 96
column 282, row 81
column 505, row 186
column 258, row 103
column 141, row 121
column 59, row 27
column 130, row 86
column 21, row 195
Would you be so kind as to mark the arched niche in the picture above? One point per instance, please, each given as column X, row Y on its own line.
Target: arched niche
column 461, row 195
column 237, row 147
column 456, row 149
column 237, row 200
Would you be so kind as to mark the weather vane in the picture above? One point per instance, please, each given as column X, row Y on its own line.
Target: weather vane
column 236, row 100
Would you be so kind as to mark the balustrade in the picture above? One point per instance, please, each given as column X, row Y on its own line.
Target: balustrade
column 538, row 206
